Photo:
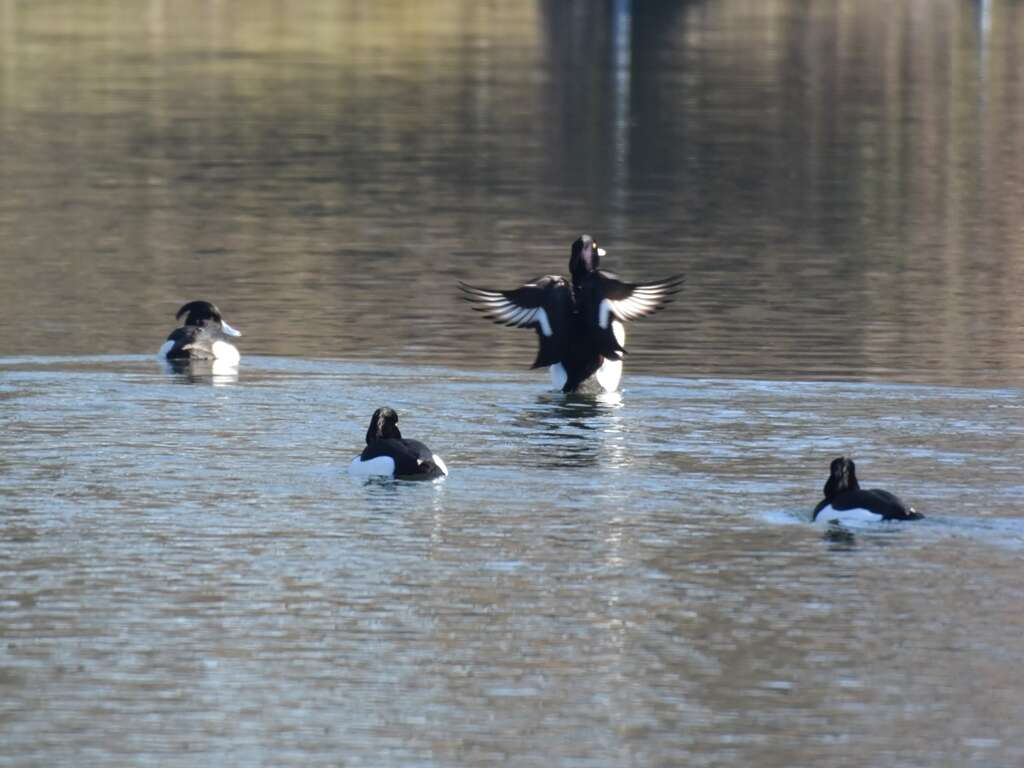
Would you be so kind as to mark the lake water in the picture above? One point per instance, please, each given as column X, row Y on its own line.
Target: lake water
column 188, row 575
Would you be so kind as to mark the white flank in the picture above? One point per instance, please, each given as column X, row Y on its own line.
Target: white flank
column 603, row 312
column 609, row 375
column 846, row 516
column 558, row 375
column 167, row 347
column 226, row 353
column 440, row 464
column 380, row 466
column 545, row 324
column 620, row 332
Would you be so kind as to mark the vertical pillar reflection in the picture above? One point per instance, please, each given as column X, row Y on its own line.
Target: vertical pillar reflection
column 622, row 30
column 8, row 60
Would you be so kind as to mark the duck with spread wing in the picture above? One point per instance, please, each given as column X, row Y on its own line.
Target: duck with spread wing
column 579, row 322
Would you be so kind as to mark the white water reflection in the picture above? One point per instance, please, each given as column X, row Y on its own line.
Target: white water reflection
column 622, row 55
column 219, row 373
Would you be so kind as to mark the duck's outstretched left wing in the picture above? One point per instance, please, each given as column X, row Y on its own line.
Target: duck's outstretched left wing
column 544, row 305
column 629, row 301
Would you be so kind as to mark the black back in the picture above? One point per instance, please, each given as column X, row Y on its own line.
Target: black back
column 590, row 293
column 582, row 357
column 413, row 460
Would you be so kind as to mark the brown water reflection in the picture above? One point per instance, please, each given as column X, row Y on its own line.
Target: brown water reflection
column 842, row 185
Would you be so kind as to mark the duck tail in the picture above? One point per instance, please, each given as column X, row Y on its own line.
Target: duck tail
column 428, row 469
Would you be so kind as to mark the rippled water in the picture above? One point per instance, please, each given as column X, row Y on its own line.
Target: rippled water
column 188, row 575
column 191, row 576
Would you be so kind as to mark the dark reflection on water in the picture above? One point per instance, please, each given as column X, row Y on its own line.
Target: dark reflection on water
column 573, row 430
column 841, row 184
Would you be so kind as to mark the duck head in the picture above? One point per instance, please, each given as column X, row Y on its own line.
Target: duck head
column 205, row 313
column 585, row 258
column 383, row 425
column 842, row 477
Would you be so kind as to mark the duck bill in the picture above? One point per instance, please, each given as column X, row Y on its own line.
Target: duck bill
column 229, row 330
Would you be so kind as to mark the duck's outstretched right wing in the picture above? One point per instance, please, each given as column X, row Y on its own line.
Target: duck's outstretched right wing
column 545, row 304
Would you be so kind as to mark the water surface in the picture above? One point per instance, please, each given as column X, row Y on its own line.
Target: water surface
column 187, row 574
column 190, row 575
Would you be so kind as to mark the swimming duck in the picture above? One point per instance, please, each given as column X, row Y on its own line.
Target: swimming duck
column 579, row 322
column 846, row 502
column 202, row 336
column 388, row 454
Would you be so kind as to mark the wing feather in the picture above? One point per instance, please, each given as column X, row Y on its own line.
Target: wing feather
column 544, row 305
column 629, row 301
column 529, row 306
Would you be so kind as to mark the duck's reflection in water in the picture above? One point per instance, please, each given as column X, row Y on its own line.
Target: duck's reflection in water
column 217, row 372
column 572, row 430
